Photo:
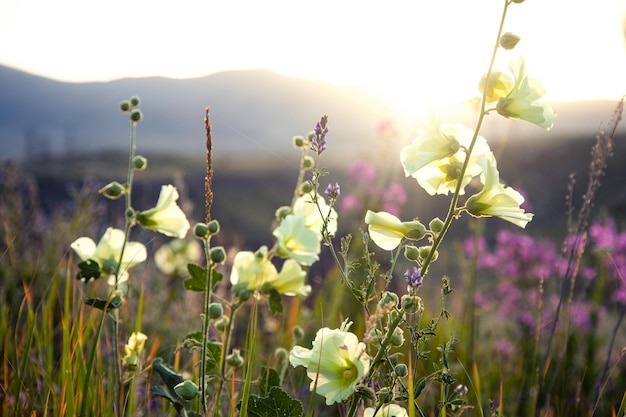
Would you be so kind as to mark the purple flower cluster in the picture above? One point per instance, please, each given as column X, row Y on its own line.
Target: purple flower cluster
column 414, row 280
column 610, row 247
column 318, row 144
column 367, row 193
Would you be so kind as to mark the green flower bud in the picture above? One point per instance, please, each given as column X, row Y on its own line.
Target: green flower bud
column 130, row 212
column 298, row 333
column 397, row 338
column 436, row 225
column 306, row 187
column 213, row 227
column 201, row 230
column 140, row 163
column 425, row 251
column 234, row 359
column 411, row 253
column 375, row 336
column 244, row 294
column 401, row 370
column 221, row 324
column 113, row 190
column 509, row 40
column 215, row 311
column 134, row 101
column 187, row 390
column 385, row 395
column 416, row 230
column 310, row 136
column 308, row 162
column 282, row 212
column 388, row 297
column 217, row 255
column 136, row 115
column 411, row 303
column 125, row 106
column 298, row 141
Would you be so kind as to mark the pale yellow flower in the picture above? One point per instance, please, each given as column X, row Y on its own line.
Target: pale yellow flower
column 336, row 363
column 496, row 199
column 173, row 257
column 431, row 144
column 440, row 175
column 108, row 251
column 387, row 231
column 389, row 410
column 524, row 100
column 166, row 217
column 314, row 216
column 296, row 241
column 133, row 349
column 290, row 280
column 252, row 270
column 500, row 84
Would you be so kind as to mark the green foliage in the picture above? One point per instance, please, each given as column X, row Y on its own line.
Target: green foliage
column 276, row 404
column 198, row 279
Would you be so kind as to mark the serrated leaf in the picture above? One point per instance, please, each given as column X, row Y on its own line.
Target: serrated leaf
column 269, row 378
column 101, row 304
column 198, row 276
column 277, row 404
column 88, row 270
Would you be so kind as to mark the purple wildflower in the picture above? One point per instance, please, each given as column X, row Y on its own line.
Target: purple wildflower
column 332, row 192
column 318, row 144
column 413, row 280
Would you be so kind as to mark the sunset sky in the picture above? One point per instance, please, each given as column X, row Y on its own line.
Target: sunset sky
column 416, row 53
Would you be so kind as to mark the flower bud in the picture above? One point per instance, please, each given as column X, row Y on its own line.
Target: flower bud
column 308, row 162
column 134, row 101
column 113, row 190
column 416, row 230
column 306, row 187
column 298, row 333
column 130, row 212
column 221, row 324
column 125, row 106
column 411, row 303
column 298, row 141
column 425, row 251
column 388, row 297
column 397, row 338
column 509, row 40
column 213, row 227
column 411, row 253
column 217, row 255
column 234, row 359
column 401, row 370
column 436, row 225
column 187, row 390
column 201, row 230
column 282, row 212
column 385, row 395
column 136, row 115
column 215, row 311
column 140, row 163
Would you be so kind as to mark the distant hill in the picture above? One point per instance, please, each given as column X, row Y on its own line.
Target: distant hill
column 253, row 113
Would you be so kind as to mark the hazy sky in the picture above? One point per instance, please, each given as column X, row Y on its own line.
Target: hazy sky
column 416, row 52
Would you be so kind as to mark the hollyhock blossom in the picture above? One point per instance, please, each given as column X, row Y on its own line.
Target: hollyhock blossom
column 387, row 231
column 133, row 349
column 495, row 199
column 251, row 270
column 389, row 410
column 524, row 100
column 314, row 214
column 108, row 251
column 166, row 217
column 290, row 280
column 336, row 363
column 296, row 240
column 173, row 257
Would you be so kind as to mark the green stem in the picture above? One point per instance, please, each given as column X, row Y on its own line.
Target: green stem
column 205, row 324
column 453, row 210
column 245, row 395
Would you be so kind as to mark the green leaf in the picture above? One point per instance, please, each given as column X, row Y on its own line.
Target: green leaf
column 213, row 354
column 269, row 378
column 162, row 392
column 198, row 276
column 276, row 305
column 88, row 270
column 170, row 377
column 277, row 404
column 101, row 304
